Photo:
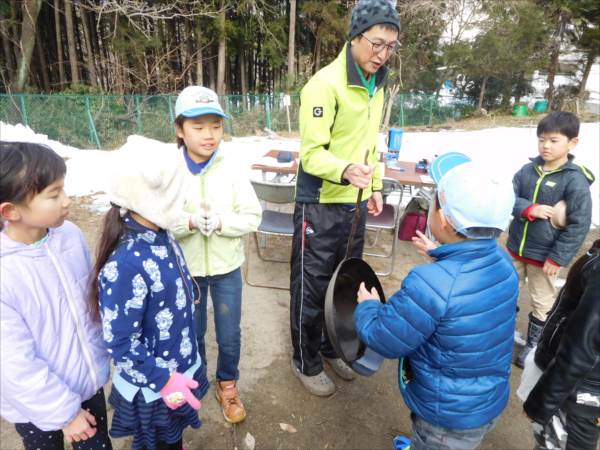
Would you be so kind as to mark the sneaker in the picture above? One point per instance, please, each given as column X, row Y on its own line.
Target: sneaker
column 341, row 368
column 319, row 385
column 229, row 398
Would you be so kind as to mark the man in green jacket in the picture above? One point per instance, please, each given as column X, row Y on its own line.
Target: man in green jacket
column 340, row 115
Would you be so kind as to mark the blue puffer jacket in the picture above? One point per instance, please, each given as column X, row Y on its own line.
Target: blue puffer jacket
column 454, row 321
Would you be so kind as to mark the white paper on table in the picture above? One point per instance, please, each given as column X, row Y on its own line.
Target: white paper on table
column 272, row 162
column 426, row 179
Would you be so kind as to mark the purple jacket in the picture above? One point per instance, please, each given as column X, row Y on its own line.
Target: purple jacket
column 53, row 356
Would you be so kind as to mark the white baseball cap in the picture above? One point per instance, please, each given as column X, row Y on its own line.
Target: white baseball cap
column 473, row 196
column 195, row 101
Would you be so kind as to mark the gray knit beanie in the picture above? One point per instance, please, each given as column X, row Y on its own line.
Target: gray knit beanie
column 373, row 12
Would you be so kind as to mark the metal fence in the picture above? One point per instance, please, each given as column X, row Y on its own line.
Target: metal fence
column 105, row 121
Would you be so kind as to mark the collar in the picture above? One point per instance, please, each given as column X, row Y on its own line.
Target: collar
column 147, row 234
column 468, row 245
column 198, row 168
column 539, row 162
column 352, row 72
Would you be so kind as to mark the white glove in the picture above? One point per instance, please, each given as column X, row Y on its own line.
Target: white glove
column 197, row 219
column 209, row 223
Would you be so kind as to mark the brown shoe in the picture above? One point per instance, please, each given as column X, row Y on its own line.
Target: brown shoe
column 229, row 398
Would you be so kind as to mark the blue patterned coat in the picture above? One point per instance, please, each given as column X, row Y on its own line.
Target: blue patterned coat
column 146, row 303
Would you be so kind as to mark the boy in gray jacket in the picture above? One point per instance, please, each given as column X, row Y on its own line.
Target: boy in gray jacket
column 539, row 244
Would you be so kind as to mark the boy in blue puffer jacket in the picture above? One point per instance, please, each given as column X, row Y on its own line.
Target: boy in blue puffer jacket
column 452, row 322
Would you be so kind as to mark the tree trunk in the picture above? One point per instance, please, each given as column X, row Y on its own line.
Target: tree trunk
column 586, row 73
column 222, row 52
column 558, row 38
column 88, row 48
column 317, row 53
column 8, row 58
column 59, row 47
column 243, row 73
column 482, row 93
column 43, row 66
column 71, row 41
column 31, row 10
column 291, row 79
column 199, row 67
column 212, row 73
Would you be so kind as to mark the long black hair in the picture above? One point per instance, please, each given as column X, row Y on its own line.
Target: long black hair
column 113, row 229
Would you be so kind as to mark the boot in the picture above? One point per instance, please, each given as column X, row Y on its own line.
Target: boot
column 534, row 331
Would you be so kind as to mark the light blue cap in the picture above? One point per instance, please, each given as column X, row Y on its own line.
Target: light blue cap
column 472, row 195
column 444, row 163
column 195, row 101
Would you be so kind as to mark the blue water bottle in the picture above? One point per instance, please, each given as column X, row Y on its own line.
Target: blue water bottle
column 401, row 443
column 394, row 144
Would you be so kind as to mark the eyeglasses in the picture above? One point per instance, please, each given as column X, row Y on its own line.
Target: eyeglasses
column 377, row 47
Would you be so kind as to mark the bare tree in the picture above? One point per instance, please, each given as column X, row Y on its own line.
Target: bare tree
column 71, row 42
column 291, row 44
column 31, row 10
column 222, row 51
column 59, row 48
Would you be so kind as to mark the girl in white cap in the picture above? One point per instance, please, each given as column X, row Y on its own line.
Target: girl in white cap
column 145, row 296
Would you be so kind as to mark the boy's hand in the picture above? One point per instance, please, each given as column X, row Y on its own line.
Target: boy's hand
column 197, row 219
column 550, row 270
column 359, row 175
column 81, row 428
column 363, row 294
column 423, row 244
column 542, row 212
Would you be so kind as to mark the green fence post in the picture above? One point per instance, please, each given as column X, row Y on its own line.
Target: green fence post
column 92, row 127
column 430, row 109
column 24, row 110
column 171, row 113
column 402, row 110
column 138, row 116
column 267, row 112
column 229, row 122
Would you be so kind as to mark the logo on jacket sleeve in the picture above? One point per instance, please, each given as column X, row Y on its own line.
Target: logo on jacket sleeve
column 317, row 111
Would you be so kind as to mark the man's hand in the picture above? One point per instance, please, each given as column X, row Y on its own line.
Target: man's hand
column 542, row 212
column 81, row 428
column 550, row 270
column 359, row 175
column 375, row 204
column 363, row 294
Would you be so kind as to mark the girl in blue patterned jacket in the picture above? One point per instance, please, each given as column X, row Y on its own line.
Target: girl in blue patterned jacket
column 145, row 297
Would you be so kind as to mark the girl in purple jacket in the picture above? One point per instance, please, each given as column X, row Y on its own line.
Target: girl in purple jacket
column 53, row 361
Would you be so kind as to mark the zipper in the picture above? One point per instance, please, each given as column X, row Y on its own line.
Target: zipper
column 533, row 200
column 205, row 238
column 82, row 339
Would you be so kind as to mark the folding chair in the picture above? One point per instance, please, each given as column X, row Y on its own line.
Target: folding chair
column 273, row 223
column 388, row 220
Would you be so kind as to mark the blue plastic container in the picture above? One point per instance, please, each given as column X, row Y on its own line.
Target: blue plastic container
column 395, row 139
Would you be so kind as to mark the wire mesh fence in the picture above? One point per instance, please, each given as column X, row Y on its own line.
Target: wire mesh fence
column 105, row 121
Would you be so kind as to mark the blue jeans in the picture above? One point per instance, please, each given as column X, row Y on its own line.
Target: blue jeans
column 427, row 436
column 226, row 295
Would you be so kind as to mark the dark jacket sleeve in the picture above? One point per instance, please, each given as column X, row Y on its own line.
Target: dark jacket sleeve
column 521, row 202
column 579, row 219
column 578, row 354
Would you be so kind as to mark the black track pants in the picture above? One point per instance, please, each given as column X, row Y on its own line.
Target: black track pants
column 321, row 233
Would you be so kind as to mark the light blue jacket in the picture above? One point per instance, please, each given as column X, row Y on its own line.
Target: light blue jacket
column 454, row 321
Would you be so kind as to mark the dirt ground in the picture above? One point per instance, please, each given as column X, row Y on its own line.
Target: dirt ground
column 363, row 414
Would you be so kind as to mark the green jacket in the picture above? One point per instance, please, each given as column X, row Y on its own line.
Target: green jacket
column 228, row 191
column 339, row 122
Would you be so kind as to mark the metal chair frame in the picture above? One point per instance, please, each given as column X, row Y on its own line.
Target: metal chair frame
column 278, row 193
